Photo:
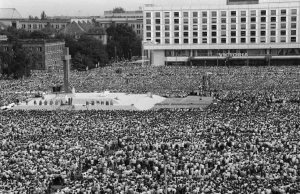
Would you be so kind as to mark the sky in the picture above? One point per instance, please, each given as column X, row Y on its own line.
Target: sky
column 88, row 7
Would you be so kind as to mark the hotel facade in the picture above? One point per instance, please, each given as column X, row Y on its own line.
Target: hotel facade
column 236, row 32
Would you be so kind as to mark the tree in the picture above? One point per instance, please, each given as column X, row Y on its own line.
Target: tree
column 31, row 17
column 36, row 18
column 38, row 35
column 118, row 10
column 43, row 16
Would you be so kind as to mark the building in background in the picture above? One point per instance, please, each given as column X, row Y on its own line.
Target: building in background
column 34, row 25
column 236, row 32
column 10, row 17
column 49, row 51
column 132, row 18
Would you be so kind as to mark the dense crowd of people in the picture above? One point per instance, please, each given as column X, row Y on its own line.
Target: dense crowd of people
column 247, row 143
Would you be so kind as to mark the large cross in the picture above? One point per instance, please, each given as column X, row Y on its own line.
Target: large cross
column 66, row 60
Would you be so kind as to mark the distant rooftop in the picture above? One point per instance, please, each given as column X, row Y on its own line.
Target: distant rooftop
column 50, row 21
column 9, row 13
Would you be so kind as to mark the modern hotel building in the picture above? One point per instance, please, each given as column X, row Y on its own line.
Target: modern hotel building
column 235, row 32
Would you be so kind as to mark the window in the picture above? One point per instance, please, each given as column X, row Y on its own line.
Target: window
column 233, row 40
column 195, row 14
column 195, row 40
column 213, row 20
column 167, row 21
column 185, row 34
column 283, row 12
column 204, row 14
column 214, row 14
column 253, row 40
column 204, row 34
column 253, row 26
column 176, row 14
column 195, row 21
column 253, row 33
column 273, row 19
column 29, row 26
column 223, row 13
column 243, row 26
column 223, row 40
column 185, row 21
column 214, row 33
column 195, row 34
column 214, row 27
column 263, row 33
column 263, row 19
column 35, row 26
column 176, row 21
column 233, row 33
column 157, row 14
column 233, row 13
column 185, row 14
column 195, row 27
column 223, row 27
column 243, row 13
column 223, row 20
column 157, row 28
column 273, row 26
column 157, row 21
column 273, row 12
column 204, row 20
column 263, row 12
column 6, row 48
column 185, row 41
column 204, row 40
column 283, row 19
column 253, row 12
column 293, row 25
column 204, row 27
column 233, row 20
column 41, row 26
column 167, row 34
column 294, row 18
column 39, row 49
column 148, row 34
column 167, row 27
column 282, row 39
column 233, row 27
column 283, row 25
column 273, row 39
column 23, row 26
column 273, row 33
column 282, row 32
column 157, row 34
column 148, row 21
column 185, row 27
column 293, row 39
column 167, row 14
column 262, row 39
column 243, row 20
column 243, row 33
column 223, row 33
column 293, row 11
column 243, row 40
column 167, row 41
column 262, row 26
column 176, row 34
column 293, row 32
column 148, row 15
column 253, row 19
column 176, row 41
column 213, row 40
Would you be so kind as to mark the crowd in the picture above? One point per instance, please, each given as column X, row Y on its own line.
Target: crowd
column 247, row 143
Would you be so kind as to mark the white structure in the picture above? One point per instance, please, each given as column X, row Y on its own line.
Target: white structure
column 234, row 32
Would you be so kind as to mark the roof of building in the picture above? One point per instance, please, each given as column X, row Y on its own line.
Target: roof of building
column 76, row 28
column 47, row 21
column 9, row 13
column 37, row 41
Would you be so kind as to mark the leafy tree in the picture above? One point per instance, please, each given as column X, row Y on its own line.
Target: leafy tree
column 118, row 10
column 14, row 34
column 39, row 35
column 36, row 18
column 43, row 16
column 31, row 17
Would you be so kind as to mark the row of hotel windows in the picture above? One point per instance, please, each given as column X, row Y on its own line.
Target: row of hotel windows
column 227, row 40
column 223, row 20
column 223, row 27
column 224, row 33
column 40, row 26
column 223, row 13
column 138, row 26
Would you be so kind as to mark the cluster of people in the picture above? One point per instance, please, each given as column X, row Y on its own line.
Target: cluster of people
column 249, row 142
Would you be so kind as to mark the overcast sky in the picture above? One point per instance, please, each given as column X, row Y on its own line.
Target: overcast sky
column 88, row 7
